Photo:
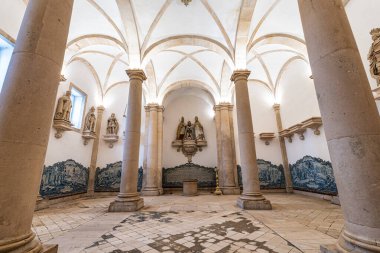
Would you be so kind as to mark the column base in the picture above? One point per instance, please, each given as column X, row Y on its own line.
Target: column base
column 150, row 192
column 230, row 190
column 126, row 204
column 347, row 243
column 161, row 191
column 41, row 204
column 289, row 189
column 253, row 201
column 49, row 248
column 25, row 243
column 335, row 200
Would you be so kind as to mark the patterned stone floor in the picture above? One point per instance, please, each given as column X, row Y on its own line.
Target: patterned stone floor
column 205, row 223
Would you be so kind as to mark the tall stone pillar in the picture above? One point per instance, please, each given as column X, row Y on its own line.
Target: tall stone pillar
column 284, row 154
column 351, row 121
column 251, row 198
column 146, row 137
column 26, row 108
column 227, row 163
column 160, row 135
column 151, row 185
column 128, row 199
column 95, row 150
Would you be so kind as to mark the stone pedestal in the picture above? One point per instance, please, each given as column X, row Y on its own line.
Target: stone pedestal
column 26, row 108
column 128, row 199
column 226, row 153
column 190, row 188
column 284, row 154
column 251, row 197
column 351, row 121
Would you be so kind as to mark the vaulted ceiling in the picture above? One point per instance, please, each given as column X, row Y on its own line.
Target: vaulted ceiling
column 196, row 45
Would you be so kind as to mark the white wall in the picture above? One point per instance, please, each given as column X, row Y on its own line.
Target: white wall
column 189, row 102
column 70, row 146
column 11, row 13
column 115, row 101
column 298, row 101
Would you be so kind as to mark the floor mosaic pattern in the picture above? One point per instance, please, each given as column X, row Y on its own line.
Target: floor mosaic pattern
column 204, row 223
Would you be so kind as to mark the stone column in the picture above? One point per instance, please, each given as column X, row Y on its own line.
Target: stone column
column 146, row 137
column 251, row 198
column 351, row 121
column 160, row 129
column 26, row 108
column 94, row 154
column 227, row 157
column 151, row 185
column 284, row 154
column 128, row 200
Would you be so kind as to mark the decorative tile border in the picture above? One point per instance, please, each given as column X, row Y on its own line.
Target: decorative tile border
column 108, row 179
column 63, row 179
column 271, row 176
column 173, row 177
column 313, row 175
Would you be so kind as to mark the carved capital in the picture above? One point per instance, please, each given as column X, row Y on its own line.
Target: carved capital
column 240, row 75
column 136, row 74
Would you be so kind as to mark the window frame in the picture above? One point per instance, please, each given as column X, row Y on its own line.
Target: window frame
column 79, row 130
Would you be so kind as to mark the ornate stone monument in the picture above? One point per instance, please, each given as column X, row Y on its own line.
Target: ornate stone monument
column 374, row 55
column 112, row 130
column 62, row 114
column 89, row 126
column 190, row 138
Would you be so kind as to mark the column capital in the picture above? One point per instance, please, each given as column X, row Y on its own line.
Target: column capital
column 276, row 107
column 223, row 106
column 240, row 75
column 153, row 107
column 100, row 109
column 136, row 74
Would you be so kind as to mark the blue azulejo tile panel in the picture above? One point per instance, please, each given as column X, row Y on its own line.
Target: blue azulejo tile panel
column 174, row 177
column 63, row 179
column 108, row 179
column 313, row 175
column 271, row 176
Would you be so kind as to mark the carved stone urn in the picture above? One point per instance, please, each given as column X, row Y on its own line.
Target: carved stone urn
column 189, row 148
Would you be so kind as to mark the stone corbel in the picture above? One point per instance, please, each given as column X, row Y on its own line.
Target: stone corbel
column 87, row 136
column 286, row 134
column 111, row 139
column 376, row 93
column 313, row 123
column 298, row 129
column 267, row 137
column 61, row 126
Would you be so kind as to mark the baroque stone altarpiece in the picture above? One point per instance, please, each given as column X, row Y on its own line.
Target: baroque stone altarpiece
column 190, row 138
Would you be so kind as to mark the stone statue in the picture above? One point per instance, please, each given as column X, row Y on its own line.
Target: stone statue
column 181, row 129
column 374, row 55
column 112, row 125
column 90, row 121
column 189, row 132
column 199, row 134
column 64, row 106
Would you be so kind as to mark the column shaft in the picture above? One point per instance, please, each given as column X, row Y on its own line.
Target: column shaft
column 26, row 108
column 94, row 153
column 251, row 197
column 284, row 154
column 351, row 120
column 151, row 185
column 146, row 138
column 128, row 199
column 160, row 129
column 227, row 157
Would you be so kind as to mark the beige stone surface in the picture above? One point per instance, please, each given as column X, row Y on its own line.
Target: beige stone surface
column 350, row 117
column 27, row 102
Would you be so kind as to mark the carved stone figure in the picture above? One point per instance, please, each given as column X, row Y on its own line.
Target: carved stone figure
column 90, row 121
column 181, row 129
column 374, row 55
column 64, row 106
column 112, row 125
column 199, row 134
column 189, row 132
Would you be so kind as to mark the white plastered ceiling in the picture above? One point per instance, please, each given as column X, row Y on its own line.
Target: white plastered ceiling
column 199, row 45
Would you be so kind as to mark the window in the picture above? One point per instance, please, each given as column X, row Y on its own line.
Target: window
column 6, row 50
column 78, row 99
